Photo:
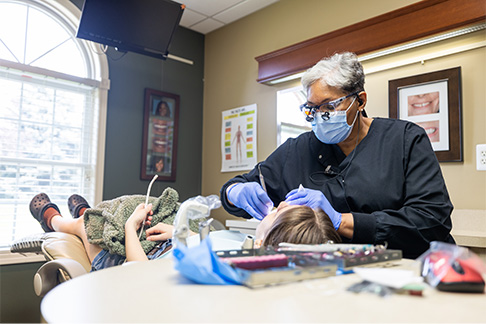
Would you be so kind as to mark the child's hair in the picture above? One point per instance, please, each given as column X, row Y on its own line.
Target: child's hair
column 302, row 225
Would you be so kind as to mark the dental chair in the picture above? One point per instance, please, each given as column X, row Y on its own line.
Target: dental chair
column 65, row 254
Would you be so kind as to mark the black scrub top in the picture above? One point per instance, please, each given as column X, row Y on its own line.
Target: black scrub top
column 391, row 183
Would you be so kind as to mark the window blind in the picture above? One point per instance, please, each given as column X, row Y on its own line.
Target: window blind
column 48, row 143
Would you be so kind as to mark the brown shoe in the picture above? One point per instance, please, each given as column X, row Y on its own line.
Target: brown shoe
column 75, row 204
column 38, row 205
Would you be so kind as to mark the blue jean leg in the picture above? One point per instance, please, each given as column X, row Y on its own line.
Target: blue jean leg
column 104, row 259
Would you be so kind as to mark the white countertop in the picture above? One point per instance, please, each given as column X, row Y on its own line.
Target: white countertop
column 154, row 292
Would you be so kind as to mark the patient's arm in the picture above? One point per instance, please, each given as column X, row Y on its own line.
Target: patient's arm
column 132, row 244
column 161, row 232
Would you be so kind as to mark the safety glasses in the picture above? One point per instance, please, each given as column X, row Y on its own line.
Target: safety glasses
column 327, row 109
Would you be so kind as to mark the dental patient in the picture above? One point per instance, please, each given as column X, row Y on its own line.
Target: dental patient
column 288, row 223
column 110, row 231
column 295, row 224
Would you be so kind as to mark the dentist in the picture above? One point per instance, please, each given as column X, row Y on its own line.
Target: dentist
column 378, row 179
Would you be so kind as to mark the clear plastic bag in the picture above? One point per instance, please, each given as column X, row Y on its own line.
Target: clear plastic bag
column 371, row 287
column 199, row 263
column 438, row 259
column 193, row 208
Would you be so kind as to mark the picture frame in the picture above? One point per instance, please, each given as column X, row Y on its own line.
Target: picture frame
column 160, row 129
column 433, row 101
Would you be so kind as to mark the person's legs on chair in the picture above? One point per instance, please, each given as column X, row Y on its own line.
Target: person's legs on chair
column 50, row 218
column 75, row 226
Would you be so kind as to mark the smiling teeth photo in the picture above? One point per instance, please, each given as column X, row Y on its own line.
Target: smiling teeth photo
column 419, row 105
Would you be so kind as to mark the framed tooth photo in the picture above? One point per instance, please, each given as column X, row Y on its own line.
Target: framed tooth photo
column 433, row 101
column 160, row 125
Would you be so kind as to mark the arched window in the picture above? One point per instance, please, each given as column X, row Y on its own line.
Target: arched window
column 52, row 111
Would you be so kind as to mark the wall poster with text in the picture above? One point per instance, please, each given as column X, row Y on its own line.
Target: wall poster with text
column 238, row 139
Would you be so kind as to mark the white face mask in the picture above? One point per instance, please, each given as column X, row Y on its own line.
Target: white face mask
column 335, row 129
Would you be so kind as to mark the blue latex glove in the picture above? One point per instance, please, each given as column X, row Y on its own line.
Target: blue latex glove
column 250, row 197
column 314, row 199
column 201, row 264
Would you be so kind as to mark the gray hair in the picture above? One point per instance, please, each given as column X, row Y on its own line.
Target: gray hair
column 342, row 70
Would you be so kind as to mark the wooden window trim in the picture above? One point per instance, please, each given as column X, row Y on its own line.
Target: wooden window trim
column 422, row 19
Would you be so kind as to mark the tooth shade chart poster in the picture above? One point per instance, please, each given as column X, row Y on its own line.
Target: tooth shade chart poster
column 238, row 139
column 427, row 106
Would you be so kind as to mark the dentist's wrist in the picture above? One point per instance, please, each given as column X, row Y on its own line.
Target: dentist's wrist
column 231, row 186
column 346, row 228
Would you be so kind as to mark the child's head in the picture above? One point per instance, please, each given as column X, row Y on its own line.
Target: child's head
column 296, row 224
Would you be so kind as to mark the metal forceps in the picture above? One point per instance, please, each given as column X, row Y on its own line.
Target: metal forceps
column 262, row 180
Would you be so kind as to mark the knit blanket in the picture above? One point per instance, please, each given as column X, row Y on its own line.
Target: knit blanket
column 105, row 223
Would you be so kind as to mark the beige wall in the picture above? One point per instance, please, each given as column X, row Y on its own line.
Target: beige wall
column 231, row 72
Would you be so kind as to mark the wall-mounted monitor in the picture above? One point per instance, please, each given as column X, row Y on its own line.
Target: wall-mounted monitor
column 141, row 26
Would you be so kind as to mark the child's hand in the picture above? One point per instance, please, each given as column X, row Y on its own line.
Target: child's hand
column 160, row 232
column 141, row 214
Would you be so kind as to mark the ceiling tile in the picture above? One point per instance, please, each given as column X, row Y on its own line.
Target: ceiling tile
column 207, row 25
column 209, row 7
column 217, row 12
column 190, row 18
column 242, row 9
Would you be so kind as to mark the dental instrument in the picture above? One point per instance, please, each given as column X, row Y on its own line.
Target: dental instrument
column 262, row 180
column 193, row 208
column 204, row 228
column 146, row 202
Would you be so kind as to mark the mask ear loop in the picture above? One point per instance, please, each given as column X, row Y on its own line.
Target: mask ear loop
column 362, row 111
column 357, row 137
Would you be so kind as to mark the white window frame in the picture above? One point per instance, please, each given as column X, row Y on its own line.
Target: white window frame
column 289, row 122
column 97, row 77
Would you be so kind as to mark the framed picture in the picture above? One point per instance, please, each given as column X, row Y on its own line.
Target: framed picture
column 433, row 101
column 160, row 124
